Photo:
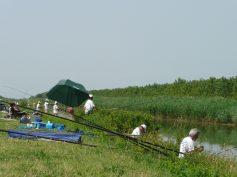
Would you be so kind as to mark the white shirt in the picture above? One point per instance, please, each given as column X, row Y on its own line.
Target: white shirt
column 46, row 105
column 137, row 132
column 186, row 146
column 55, row 109
column 89, row 105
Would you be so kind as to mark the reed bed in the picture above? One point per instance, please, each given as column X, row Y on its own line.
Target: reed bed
column 216, row 109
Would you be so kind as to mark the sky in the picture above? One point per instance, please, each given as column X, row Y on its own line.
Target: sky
column 106, row 44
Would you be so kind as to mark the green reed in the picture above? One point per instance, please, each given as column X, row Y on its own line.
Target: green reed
column 213, row 108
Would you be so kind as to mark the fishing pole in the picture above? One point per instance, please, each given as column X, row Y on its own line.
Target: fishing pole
column 135, row 104
column 104, row 129
column 132, row 140
column 142, row 141
column 224, row 151
column 17, row 90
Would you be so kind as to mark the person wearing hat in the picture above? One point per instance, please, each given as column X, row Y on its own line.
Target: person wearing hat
column 89, row 105
column 55, row 108
column 138, row 131
column 187, row 144
column 46, row 105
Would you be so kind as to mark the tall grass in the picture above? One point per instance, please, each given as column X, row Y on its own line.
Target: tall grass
column 201, row 108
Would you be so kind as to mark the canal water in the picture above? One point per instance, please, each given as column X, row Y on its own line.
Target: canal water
column 220, row 140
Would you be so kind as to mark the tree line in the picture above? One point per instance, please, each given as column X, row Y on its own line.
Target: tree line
column 223, row 87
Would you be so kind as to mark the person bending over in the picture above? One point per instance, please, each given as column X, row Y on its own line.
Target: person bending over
column 187, row 144
column 138, row 131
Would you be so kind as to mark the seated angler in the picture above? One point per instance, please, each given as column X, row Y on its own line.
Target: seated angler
column 25, row 119
column 15, row 111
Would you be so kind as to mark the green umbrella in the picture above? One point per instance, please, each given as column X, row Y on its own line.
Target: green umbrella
column 68, row 93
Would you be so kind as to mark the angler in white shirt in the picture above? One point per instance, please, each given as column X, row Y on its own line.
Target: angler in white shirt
column 46, row 105
column 55, row 108
column 187, row 144
column 138, row 131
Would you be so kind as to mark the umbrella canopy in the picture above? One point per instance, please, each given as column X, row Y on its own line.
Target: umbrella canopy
column 68, row 93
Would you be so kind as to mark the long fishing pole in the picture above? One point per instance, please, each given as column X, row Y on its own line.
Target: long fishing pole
column 104, row 129
column 132, row 140
column 224, row 151
column 142, row 141
column 115, row 133
column 12, row 88
column 134, row 104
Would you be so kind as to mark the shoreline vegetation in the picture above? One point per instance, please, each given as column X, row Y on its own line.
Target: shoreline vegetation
column 210, row 109
column 213, row 99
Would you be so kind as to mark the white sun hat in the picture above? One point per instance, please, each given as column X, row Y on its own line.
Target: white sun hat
column 144, row 126
column 90, row 95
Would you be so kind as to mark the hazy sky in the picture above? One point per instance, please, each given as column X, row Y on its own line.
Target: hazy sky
column 114, row 43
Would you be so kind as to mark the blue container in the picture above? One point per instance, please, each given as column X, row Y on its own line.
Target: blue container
column 49, row 125
column 59, row 127
column 40, row 125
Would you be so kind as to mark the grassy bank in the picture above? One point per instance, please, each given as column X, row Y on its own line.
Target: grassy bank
column 112, row 156
column 216, row 109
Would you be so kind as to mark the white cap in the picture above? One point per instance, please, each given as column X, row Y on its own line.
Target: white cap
column 144, row 126
column 55, row 102
column 193, row 132
column 90, row 95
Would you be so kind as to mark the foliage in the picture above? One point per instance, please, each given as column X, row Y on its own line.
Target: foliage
column 118, row 120
column 221, row 87
column 200, row 108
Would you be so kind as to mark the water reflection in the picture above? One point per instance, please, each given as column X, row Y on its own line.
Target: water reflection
column 216, row 139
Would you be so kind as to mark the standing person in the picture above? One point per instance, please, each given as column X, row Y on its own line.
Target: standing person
column 89, row 105
column 46, row 105
column 55, row 108
column 138, row 131
column 187, row 144
column 38, row 106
